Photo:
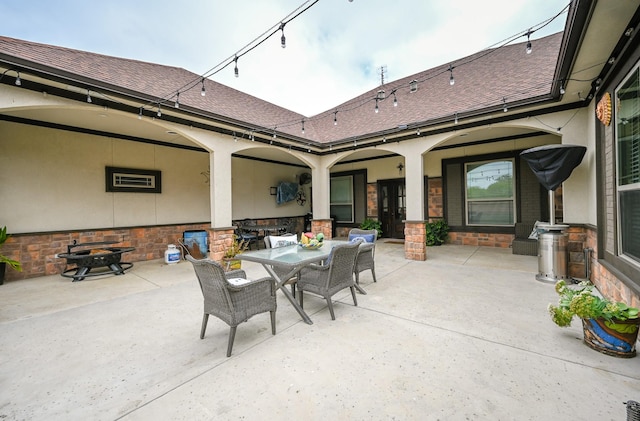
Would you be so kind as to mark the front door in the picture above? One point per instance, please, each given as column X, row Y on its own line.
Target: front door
column 392, row 207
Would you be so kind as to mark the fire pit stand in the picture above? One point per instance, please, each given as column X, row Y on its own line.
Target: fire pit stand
column 94, row 257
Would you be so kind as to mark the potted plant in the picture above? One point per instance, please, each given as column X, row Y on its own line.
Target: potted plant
column 372, row 224
column 609, row 327
column 237, row 246
column 4, row 260
column 436, row 232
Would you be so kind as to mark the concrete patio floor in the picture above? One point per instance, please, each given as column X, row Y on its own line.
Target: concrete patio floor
column 464, row 335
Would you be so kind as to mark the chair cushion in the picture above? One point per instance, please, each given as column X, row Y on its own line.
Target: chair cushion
column 238, row 281
column 283, row 240
column 369, row 238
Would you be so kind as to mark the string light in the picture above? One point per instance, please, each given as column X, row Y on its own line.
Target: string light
column 455, row 121
column 452, row 81
column 177, row 104
column 18, row 81
column 335, row 118
column 528, row 49
column 159, row 113
column 89, row 96
column 203, row 92
column 504, row 105
column 283, row 40
column 140, row 115
column 302, row 126
column 235, row 70
column 395, row 100
column 377, row 109
column 562, row 91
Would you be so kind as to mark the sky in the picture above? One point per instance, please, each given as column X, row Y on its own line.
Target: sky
column 334, row 50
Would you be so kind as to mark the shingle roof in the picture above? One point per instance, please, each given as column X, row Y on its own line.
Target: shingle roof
column 482, row 81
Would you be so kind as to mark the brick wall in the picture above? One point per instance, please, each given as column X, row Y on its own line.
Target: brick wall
column 434, row 197
column 415, row 240
column 37, row 252
column 480, row 239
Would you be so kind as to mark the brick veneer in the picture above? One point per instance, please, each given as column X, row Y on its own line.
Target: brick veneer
column 415, row 240
column 480, row 239
column 323, row 226
column 37, row 252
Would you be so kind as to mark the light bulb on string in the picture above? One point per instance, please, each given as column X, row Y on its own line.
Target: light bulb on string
column 203, row 92
column 140, row 114
column 302, row 126
column 335, row 118
column 283, row 40
column 159, row 113
column 529, row 48
column 18, row 80
column 452, row 81
column 504, row 105
column 177, row 104
column 377, row 109
column 89, row 97
column 395, row 100
column 235, row 70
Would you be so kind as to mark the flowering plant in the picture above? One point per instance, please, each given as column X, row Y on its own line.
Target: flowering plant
column 582, row 302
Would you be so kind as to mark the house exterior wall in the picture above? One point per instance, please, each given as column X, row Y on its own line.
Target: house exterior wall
column 56, row 182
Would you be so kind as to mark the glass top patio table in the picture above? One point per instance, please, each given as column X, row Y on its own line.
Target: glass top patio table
column 293, row 258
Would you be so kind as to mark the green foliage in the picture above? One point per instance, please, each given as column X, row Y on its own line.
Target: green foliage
column 236, row 247
column 581, row 301
column 372, row 224
column 437, row 232
column 3, row 259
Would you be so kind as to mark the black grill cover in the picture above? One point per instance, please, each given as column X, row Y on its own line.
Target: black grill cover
column 552, row 164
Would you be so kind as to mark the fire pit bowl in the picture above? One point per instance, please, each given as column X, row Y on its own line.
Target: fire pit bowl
column 83, row 261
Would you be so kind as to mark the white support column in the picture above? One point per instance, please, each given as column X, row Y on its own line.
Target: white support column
column 220, row 184
column 414, row 176
column 321, row 199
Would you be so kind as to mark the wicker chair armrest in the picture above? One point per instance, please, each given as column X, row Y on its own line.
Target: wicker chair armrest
column 250, row 284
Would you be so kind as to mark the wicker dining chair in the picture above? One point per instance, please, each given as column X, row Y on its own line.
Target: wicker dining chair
column 283, row 240
column 366, row 252
column 331, row 277
column 233, row 298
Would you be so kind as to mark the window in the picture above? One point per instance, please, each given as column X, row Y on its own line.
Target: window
column 132, row 180
column 628, row 162
column 490, row 192
column 341, row 197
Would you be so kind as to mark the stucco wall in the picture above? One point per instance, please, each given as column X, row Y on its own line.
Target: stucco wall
column 55, row 180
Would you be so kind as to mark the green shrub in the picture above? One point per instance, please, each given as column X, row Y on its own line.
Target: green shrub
column 372, row 224
column 437, row 232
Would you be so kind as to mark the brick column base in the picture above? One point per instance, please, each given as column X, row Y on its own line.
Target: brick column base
column 323, row 226
column 220, row 239
column 415, row 240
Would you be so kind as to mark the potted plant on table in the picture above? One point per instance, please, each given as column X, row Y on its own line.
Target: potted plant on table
column 609, row 327
column 237, row 246
column 4, row 260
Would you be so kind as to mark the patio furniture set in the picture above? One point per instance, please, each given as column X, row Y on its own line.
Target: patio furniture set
column 325, row 271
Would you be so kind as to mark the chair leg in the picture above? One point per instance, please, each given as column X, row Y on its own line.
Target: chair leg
column 293, row 290
column 373, row 272
column 330, row 304
column 353, row 294
column 301, row 300
column 232, row 336
column 357, row 277
column 273, row 322
column 205, row 318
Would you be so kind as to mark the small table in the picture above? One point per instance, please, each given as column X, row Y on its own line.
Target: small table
column 293, row 258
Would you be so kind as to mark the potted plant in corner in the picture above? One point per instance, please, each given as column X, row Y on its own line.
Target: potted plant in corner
column 236, row 247
column 4, row 260
column 609, row 327
column 436, row 232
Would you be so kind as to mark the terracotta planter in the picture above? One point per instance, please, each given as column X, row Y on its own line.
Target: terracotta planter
column 617, row 338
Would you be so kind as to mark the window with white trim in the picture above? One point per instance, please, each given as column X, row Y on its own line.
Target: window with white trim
column 627, row 112
column 490, row 193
